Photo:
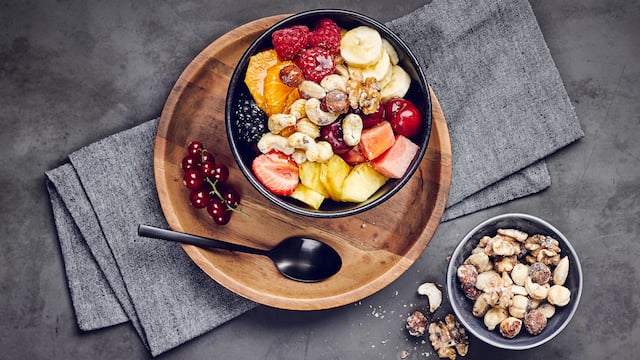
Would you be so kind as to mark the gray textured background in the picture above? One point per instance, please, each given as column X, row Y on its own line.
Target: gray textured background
column 72, row 72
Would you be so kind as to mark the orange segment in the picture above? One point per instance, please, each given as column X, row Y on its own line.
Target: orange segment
column 276, row 94
column 257, row 72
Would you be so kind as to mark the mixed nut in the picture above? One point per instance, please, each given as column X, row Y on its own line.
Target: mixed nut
column 515, row 281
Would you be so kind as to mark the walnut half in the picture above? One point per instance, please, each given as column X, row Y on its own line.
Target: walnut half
column 449, row 338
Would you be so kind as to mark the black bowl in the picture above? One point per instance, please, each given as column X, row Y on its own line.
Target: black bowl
column 462, row 305
column 418, row 94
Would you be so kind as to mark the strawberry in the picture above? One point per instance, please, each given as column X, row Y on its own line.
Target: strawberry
column 277, row 172
column 289, row 42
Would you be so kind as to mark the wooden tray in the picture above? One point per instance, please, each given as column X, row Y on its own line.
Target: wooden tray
column 376, row 246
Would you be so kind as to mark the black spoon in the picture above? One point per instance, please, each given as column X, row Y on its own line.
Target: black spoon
column 298, row 258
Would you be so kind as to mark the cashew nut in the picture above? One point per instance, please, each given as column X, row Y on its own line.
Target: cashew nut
column 536, row 291
column 309, row 89
column 297, row 109
column 299, row 140
column 334, row 82
column 277, row 122
column 299, row 156
column 305, row 126
column 431, row 291
column 324, row 152
column 269, row 142
column 351, row 129
column 316, row 114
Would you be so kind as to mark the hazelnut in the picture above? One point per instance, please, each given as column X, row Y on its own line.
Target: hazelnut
column 535, row 321
column 510, row 327
column 291, row 75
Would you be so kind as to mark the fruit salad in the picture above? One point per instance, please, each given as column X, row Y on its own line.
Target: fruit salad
column 327, row 114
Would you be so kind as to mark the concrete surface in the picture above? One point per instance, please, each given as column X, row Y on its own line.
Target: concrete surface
column 72, row 72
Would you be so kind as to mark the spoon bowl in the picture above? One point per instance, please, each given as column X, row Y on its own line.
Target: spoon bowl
column 297, row 258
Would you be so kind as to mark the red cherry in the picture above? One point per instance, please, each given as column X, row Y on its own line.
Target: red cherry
column 199, row 198
column 332, row 134
column 192, row 179
column 404, row 117
column 194, row 147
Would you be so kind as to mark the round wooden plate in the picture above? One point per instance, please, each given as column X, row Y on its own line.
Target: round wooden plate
column 376, row 246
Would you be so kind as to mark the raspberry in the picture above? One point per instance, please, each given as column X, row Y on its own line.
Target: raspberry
column 316, row 63
column 326, row 35
column 289, row 42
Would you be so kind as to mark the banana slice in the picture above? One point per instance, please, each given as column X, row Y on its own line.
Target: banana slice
column 398, row 86
column 361, row 46
column 393, row 54
column 378, row 70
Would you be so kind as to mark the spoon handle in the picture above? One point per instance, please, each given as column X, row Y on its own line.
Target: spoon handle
column 170, row 235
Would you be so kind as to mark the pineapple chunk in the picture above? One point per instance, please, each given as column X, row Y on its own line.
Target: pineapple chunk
column 309, row 173
column 332, row 175
column 361, row 183
column 308, row 196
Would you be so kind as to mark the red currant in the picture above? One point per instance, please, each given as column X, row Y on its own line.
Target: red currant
column 207, row 168
column 190, row 162
column 231, row 197
column 207, row 156
column 195, row 147
column 222, row 219
column 216, row 207
column 192, row 179
column 199, row 198
column 220, row 173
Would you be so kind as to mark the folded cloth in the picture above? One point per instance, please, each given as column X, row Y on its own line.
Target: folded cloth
column 505, row 106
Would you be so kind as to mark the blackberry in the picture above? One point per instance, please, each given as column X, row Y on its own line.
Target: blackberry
column 250, row 120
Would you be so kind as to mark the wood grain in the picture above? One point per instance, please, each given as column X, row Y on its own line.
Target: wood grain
column 376, row 246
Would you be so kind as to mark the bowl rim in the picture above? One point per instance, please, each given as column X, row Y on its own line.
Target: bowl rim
column 399, row 183
column 452, row 288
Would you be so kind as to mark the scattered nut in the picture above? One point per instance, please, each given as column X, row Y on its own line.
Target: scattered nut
column 448, row 337
column 416, row 324
column 431, row 291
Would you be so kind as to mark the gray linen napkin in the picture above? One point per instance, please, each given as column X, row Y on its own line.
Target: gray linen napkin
column 505, row 106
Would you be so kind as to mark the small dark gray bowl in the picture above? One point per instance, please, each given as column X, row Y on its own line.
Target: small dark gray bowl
column 418, row 94
column 462, row 305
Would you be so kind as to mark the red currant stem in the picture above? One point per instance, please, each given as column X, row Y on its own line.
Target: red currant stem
column 215, row 192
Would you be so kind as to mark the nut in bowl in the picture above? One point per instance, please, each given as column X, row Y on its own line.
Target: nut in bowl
column 328, row 113
column 514, row 281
